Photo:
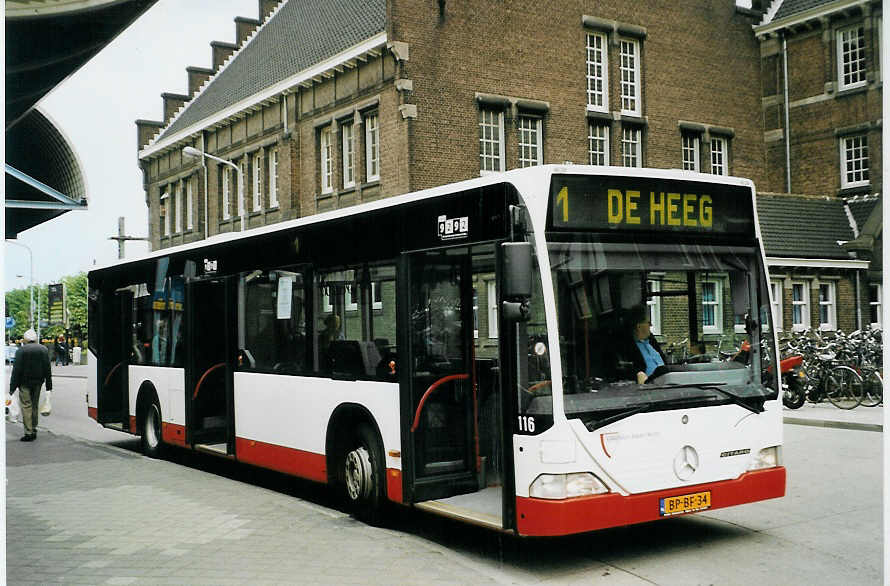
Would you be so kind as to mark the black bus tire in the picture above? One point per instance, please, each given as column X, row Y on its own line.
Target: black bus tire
column 151, row 440
column 363, row 475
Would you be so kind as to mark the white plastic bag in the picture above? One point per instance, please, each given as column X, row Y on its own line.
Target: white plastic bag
column 13, row 410
column 46, row 405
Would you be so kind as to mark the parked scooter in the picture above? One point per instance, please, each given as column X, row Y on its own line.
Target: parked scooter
column 794, row 393
column 794, row 378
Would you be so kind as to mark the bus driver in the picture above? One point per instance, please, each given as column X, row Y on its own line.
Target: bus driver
column 643, row 350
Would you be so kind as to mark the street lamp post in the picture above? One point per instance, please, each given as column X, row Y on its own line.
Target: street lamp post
column 191, row 152
column 31, row 278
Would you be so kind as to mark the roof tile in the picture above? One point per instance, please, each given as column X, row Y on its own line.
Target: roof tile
column 804, row 227
column 299, row 35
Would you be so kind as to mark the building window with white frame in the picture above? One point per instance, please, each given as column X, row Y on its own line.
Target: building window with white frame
column 776, row 291
column 327, row 160
column 177, row 206
column 226, row 191
column 165, row 213
column 491, row 140
column 653, row 303
column 854, row 161
column 492, row 297
column 631, row 147
column 630, row 77
column 874, row 306
column 531, row 150
column 597, row 72
column 800, row 306
column 351, row 297
column 372, row 147
column 598, row 143
column 851, row 57
column 273, row 178
column 347, row 142
column 189, row 204
column 691, row 152
column 242, row 204
column 827, row 307
column 718, row 156
column 376, row 295
column 475, row 313
column 257, row 182
column 711, row 301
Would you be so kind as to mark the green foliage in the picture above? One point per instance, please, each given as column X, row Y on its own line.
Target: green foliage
column 18, row 306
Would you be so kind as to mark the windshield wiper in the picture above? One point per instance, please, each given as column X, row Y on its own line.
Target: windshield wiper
column 622, row 415
column 641, row 408
column 737, row 399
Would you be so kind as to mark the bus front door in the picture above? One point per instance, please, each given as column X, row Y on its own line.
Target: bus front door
column 209, row 365
column 439, row 416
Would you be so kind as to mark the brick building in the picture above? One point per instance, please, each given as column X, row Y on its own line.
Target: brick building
column 821, row 104
column 330, row 103
column 325, row 104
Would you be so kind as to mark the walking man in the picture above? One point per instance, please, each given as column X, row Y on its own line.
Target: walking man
column 29, row 372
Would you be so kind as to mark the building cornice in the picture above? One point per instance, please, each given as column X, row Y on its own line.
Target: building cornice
column 816, row 263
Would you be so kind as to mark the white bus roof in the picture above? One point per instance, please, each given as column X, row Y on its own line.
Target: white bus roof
column 515, row 177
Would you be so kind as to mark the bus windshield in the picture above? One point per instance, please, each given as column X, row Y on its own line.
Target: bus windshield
column 645, row 327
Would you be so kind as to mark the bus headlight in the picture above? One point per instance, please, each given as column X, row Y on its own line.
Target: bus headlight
column 563, row 486
column 766, row 458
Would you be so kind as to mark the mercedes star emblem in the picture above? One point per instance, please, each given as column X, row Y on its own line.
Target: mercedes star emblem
column 686, row 463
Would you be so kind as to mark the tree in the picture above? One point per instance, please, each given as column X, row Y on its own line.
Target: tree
column 18, row 306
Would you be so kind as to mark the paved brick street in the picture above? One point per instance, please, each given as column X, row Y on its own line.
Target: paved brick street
column 85, row 513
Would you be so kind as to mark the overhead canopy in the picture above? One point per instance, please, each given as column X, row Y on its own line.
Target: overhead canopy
column 47, row 41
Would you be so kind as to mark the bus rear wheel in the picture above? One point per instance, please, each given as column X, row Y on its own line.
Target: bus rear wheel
column 152, row 444
column 363, row 474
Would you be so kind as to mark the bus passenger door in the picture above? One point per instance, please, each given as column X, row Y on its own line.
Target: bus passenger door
column 113, row 393
column 438, row 396
column 209, row 362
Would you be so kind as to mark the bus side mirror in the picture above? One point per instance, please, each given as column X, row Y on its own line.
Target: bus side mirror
column 517, row 280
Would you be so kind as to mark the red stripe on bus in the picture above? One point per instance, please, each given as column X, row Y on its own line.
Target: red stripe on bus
column 288, row 460
column 542, row 517
column 174, row 434
column 394, row 485
column 133, row 427
column 93, row 413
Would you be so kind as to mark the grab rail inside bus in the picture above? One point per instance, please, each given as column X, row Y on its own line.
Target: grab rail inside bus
column 111, row 372
column 204, row 376
column 429, row 392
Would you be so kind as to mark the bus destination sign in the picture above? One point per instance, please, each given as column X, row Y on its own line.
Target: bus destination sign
column 602, row 203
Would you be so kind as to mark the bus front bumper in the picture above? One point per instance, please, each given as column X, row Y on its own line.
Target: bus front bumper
column 542, row 517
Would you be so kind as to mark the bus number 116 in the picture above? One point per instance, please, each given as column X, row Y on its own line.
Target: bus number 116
column 526, row 423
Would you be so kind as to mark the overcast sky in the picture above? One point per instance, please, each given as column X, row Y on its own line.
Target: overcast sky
column 96, row 110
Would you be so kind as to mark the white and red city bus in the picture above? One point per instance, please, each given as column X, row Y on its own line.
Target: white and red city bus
column 467, row 349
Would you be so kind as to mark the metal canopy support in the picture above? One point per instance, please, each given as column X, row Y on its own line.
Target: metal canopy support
column 63, row 202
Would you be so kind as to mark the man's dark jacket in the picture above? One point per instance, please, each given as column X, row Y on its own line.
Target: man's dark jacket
column 31, row 368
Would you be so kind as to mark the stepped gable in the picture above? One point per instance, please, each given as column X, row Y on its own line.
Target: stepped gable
column 300, row 34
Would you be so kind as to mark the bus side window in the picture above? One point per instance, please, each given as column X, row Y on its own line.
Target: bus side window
column 273, row 318
column 356, row 305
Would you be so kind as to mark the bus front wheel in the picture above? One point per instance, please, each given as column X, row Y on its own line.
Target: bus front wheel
column 363, row 475
column 152, row 444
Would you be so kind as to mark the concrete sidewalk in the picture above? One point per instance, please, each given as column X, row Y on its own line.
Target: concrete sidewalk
column 71, row 371
column 827, row 415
